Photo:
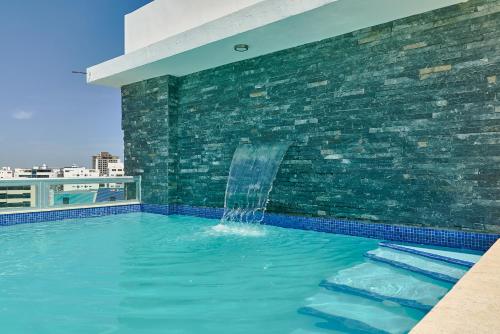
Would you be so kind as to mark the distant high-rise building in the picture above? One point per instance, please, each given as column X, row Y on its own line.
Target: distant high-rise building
column 101, row 161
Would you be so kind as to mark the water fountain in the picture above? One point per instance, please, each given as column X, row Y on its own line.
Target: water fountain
column 251, row 176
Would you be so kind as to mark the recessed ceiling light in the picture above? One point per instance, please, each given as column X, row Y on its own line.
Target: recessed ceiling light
column 241, row 47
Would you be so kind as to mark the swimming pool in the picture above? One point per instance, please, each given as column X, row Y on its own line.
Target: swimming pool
column 148, row 273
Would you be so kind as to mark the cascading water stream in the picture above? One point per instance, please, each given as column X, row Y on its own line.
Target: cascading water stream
column 251, row 176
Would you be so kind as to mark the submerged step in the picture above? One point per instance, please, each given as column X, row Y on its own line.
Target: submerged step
column 416, row 263
column 465, row 259
column 380, row 282
column 352, row 313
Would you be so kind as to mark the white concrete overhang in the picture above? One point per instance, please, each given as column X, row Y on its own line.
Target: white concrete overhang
column 266, row 26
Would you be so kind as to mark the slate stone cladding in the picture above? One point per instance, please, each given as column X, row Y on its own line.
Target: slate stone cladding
column 397, row 123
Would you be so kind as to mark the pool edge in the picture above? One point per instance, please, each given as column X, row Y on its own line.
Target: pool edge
column 381, row 231
column 397, row 233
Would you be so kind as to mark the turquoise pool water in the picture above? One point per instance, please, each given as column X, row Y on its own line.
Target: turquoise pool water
column 145, row 273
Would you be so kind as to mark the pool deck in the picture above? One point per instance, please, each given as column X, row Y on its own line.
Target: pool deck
column 473, row 305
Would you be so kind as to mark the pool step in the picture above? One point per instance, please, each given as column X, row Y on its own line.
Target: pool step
column 433, row 268
column 383, row 283
column 350, row 313
column 462, row 258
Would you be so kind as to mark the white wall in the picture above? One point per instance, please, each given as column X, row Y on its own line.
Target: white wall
column 165, row 18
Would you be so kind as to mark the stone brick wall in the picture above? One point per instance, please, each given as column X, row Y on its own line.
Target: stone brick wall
column 149, row 135
column 398, row 123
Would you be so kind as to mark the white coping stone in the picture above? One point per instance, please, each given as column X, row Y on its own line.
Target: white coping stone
column 473, row 304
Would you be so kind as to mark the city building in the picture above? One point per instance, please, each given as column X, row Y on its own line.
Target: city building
column 36, row 172
column 23, row 173
column 64, row 194
column 6, row 173
column 76, row 171
column 17, row 196
column 79, row 172
column 13, row 197
column 101, row 161
column 115, row 169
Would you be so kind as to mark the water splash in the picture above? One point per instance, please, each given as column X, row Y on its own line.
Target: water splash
column 251, row 176
column 238, row 229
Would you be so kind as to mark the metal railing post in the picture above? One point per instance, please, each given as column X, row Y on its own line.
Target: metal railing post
column 138, row 189
column 44, row 201
column 39, row 194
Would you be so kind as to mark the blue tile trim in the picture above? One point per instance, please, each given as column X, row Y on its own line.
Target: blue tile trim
column 428, row 273
column 158, row 209
column 210, row 213
column 186, row 210
column 429, row 255
column 334, row 321
column 375, row 296
column 418, row 235
column 410, row 234
column 46, row 216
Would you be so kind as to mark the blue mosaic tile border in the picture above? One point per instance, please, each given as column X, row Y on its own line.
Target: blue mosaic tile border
column 186, row 210
column 158, row 209
column 210, row 213
column 46, row 216
column 416, row 235
column 398, row 233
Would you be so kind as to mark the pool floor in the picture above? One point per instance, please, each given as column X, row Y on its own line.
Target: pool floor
column 147, row 273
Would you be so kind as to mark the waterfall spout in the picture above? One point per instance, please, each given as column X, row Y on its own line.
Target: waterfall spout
column 251, row 176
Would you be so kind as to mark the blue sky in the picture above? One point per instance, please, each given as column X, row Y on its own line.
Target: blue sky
column 47, row 114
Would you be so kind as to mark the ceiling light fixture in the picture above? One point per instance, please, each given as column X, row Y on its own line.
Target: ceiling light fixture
column 241, row 47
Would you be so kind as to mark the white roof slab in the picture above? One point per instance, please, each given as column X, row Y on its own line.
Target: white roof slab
column 199, row 42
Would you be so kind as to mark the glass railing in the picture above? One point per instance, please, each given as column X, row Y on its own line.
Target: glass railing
column 28, row 194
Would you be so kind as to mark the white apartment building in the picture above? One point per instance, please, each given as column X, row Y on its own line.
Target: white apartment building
column 79, row 172
column 23, row 173
column 75, row 171
column 17, row 196
column 38, row 172
column 6, row 173
column 115, row 169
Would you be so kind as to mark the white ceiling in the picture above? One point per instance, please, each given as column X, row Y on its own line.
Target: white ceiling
column 268, row 26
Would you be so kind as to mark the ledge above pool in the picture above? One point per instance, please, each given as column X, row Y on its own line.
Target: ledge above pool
column 410, row 234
